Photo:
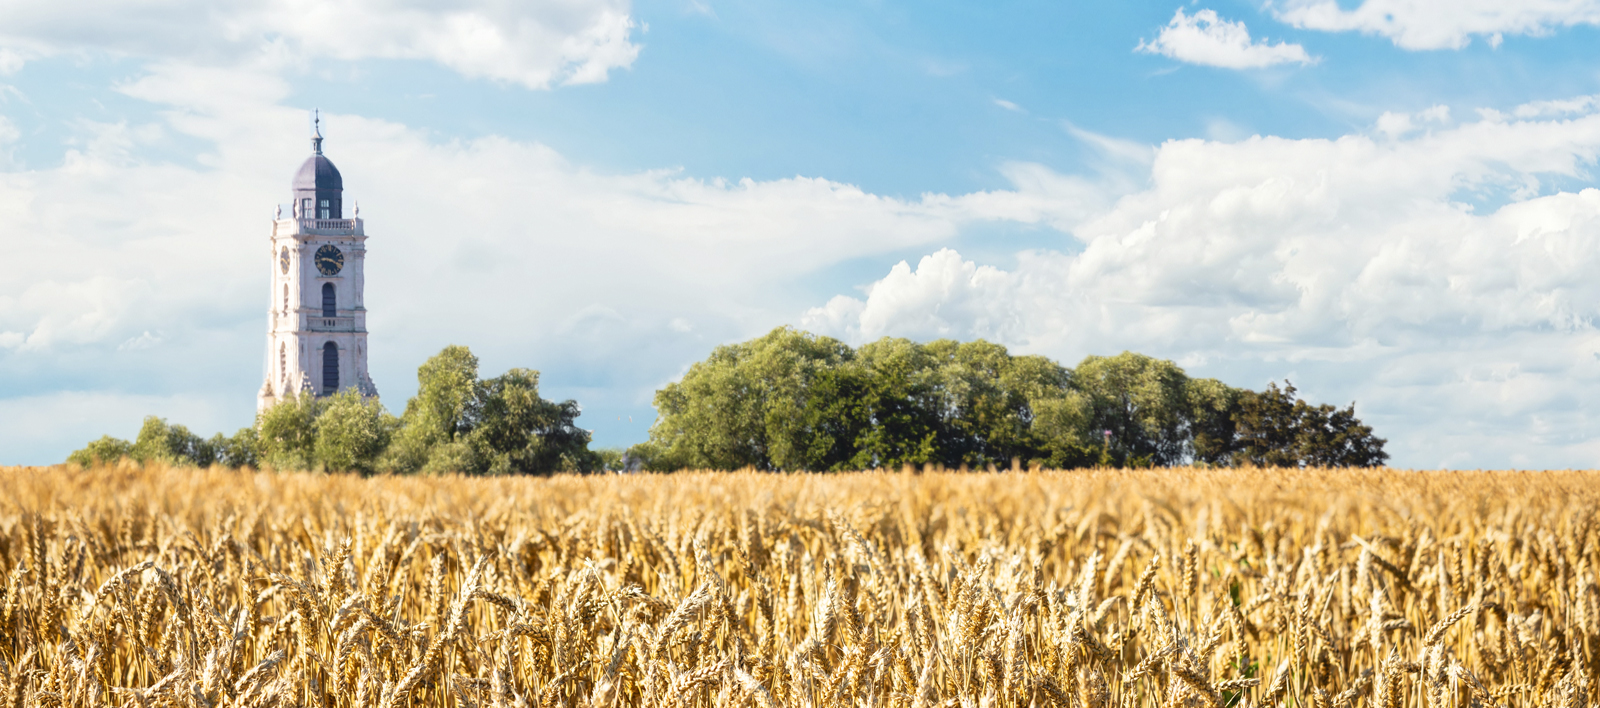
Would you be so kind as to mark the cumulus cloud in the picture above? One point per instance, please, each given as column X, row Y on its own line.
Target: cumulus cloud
column 1440, row 24
column 1356, row 266
column 536, row 44
column 944, row 297
column 1207, row 39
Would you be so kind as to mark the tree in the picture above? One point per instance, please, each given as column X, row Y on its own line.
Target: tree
column 436, row 416
column 171, row 444
column 782, row 401
column 986, row 398
column 1062, row 425
column 240, row 450
column 899, row 406
column 104, row 451
column 1212, row 406
column 447, row 392
column 790, row 400
column 1143, row 401
column 457, row 423
column 516, row 431
column 806, row 389
column 286, row 434
column 351, row 432
column 1276, row 429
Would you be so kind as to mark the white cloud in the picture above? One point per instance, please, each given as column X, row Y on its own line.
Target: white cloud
column 1395, row 124
column 1440, row 24
column 1543, row 109
column 945, row 297
column 1210, row 40
column 11, row 60
column 143, row 341
column 537, row 44
column 1348, row 265
column 8, row 137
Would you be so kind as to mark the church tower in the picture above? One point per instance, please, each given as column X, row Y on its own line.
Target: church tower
column 317, row 324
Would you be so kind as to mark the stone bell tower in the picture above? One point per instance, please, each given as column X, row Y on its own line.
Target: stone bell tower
column 317, row 322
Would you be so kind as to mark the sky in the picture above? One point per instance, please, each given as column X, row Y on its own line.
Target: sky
column 1389, row 203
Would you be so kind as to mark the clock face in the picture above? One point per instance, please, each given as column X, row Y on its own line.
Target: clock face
column 329, row 260
column 283, row 261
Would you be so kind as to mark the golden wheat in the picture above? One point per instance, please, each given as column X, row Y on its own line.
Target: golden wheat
column 1198, row 588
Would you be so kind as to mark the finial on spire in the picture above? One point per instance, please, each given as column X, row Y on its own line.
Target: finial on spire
column 316, row 131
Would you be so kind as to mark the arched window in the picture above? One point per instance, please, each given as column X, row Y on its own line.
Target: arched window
column 330, row 302
column 330, row 368
column 283, row 364
column 285, row 298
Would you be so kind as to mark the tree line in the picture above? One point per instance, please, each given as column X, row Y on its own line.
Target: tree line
column 791, row 401
column 457, row 422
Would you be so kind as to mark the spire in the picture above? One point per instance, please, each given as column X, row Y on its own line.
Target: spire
column 316, row 132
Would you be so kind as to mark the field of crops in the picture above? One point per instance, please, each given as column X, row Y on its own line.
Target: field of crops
column 146, row 587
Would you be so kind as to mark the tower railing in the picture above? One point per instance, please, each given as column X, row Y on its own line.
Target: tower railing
column 328, row 224
column 318, row 323
column 332, row 227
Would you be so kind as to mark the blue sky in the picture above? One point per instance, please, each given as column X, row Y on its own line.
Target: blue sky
column 1382, row 201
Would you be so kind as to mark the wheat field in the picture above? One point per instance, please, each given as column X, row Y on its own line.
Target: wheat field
column 130, row 586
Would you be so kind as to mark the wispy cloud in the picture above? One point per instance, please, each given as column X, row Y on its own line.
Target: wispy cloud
column 536, row 44
column 1440, row 24
column 1207, row 39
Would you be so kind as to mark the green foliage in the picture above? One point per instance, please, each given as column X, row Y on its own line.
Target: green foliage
column 791, row 400
column 447, row 390
column 1212, row 408
column 172, row 445
column 458, row 423
column 351, row 431
column 1277, row 429
column 103, row 451
column 1061, row 424
column 899, row 403
column 287, row 433
column 514, row 431
column 1143, row 401
column 611, row 459
column 241, row 450
column 783, row 401
column 954, row 404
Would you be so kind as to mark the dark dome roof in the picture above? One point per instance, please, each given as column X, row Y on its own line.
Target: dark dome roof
column 318, row 172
